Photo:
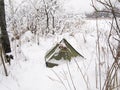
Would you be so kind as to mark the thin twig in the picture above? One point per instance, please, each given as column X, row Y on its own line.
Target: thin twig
column 59, row 79
column 71, row 76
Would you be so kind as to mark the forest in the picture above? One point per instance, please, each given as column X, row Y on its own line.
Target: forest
column 59, row 45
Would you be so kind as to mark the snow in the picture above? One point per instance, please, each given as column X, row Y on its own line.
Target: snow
column 29, row 72
column 78, row 6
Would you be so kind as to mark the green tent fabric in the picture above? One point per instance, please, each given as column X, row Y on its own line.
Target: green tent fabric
column 62, row 51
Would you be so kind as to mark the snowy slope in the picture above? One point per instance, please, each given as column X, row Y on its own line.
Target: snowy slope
column 28, row 70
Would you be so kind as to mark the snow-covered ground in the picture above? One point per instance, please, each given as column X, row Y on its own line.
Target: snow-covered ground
column 28, row 70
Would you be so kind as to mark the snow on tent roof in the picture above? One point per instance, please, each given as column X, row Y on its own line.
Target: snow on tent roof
column 61, row 51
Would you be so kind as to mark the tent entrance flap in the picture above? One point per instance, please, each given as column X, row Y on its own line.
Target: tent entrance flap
column 61, row 51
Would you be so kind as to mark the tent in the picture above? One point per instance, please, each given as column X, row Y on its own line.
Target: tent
column 61, row 51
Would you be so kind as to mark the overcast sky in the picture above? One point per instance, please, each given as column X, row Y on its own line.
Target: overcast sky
column 78, row 6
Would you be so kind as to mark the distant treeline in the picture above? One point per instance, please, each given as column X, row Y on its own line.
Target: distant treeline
column 103, row 13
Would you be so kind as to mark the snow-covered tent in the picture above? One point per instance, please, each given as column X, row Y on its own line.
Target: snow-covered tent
column 61, row 51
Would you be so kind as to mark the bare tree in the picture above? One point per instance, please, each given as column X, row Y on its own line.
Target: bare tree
column 5, row 38
column 112, row 78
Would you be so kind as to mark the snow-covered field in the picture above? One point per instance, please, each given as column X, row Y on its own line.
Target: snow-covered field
column 28, row 70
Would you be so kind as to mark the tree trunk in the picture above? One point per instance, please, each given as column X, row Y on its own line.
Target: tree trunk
column 5, row 38
column 2, row 56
